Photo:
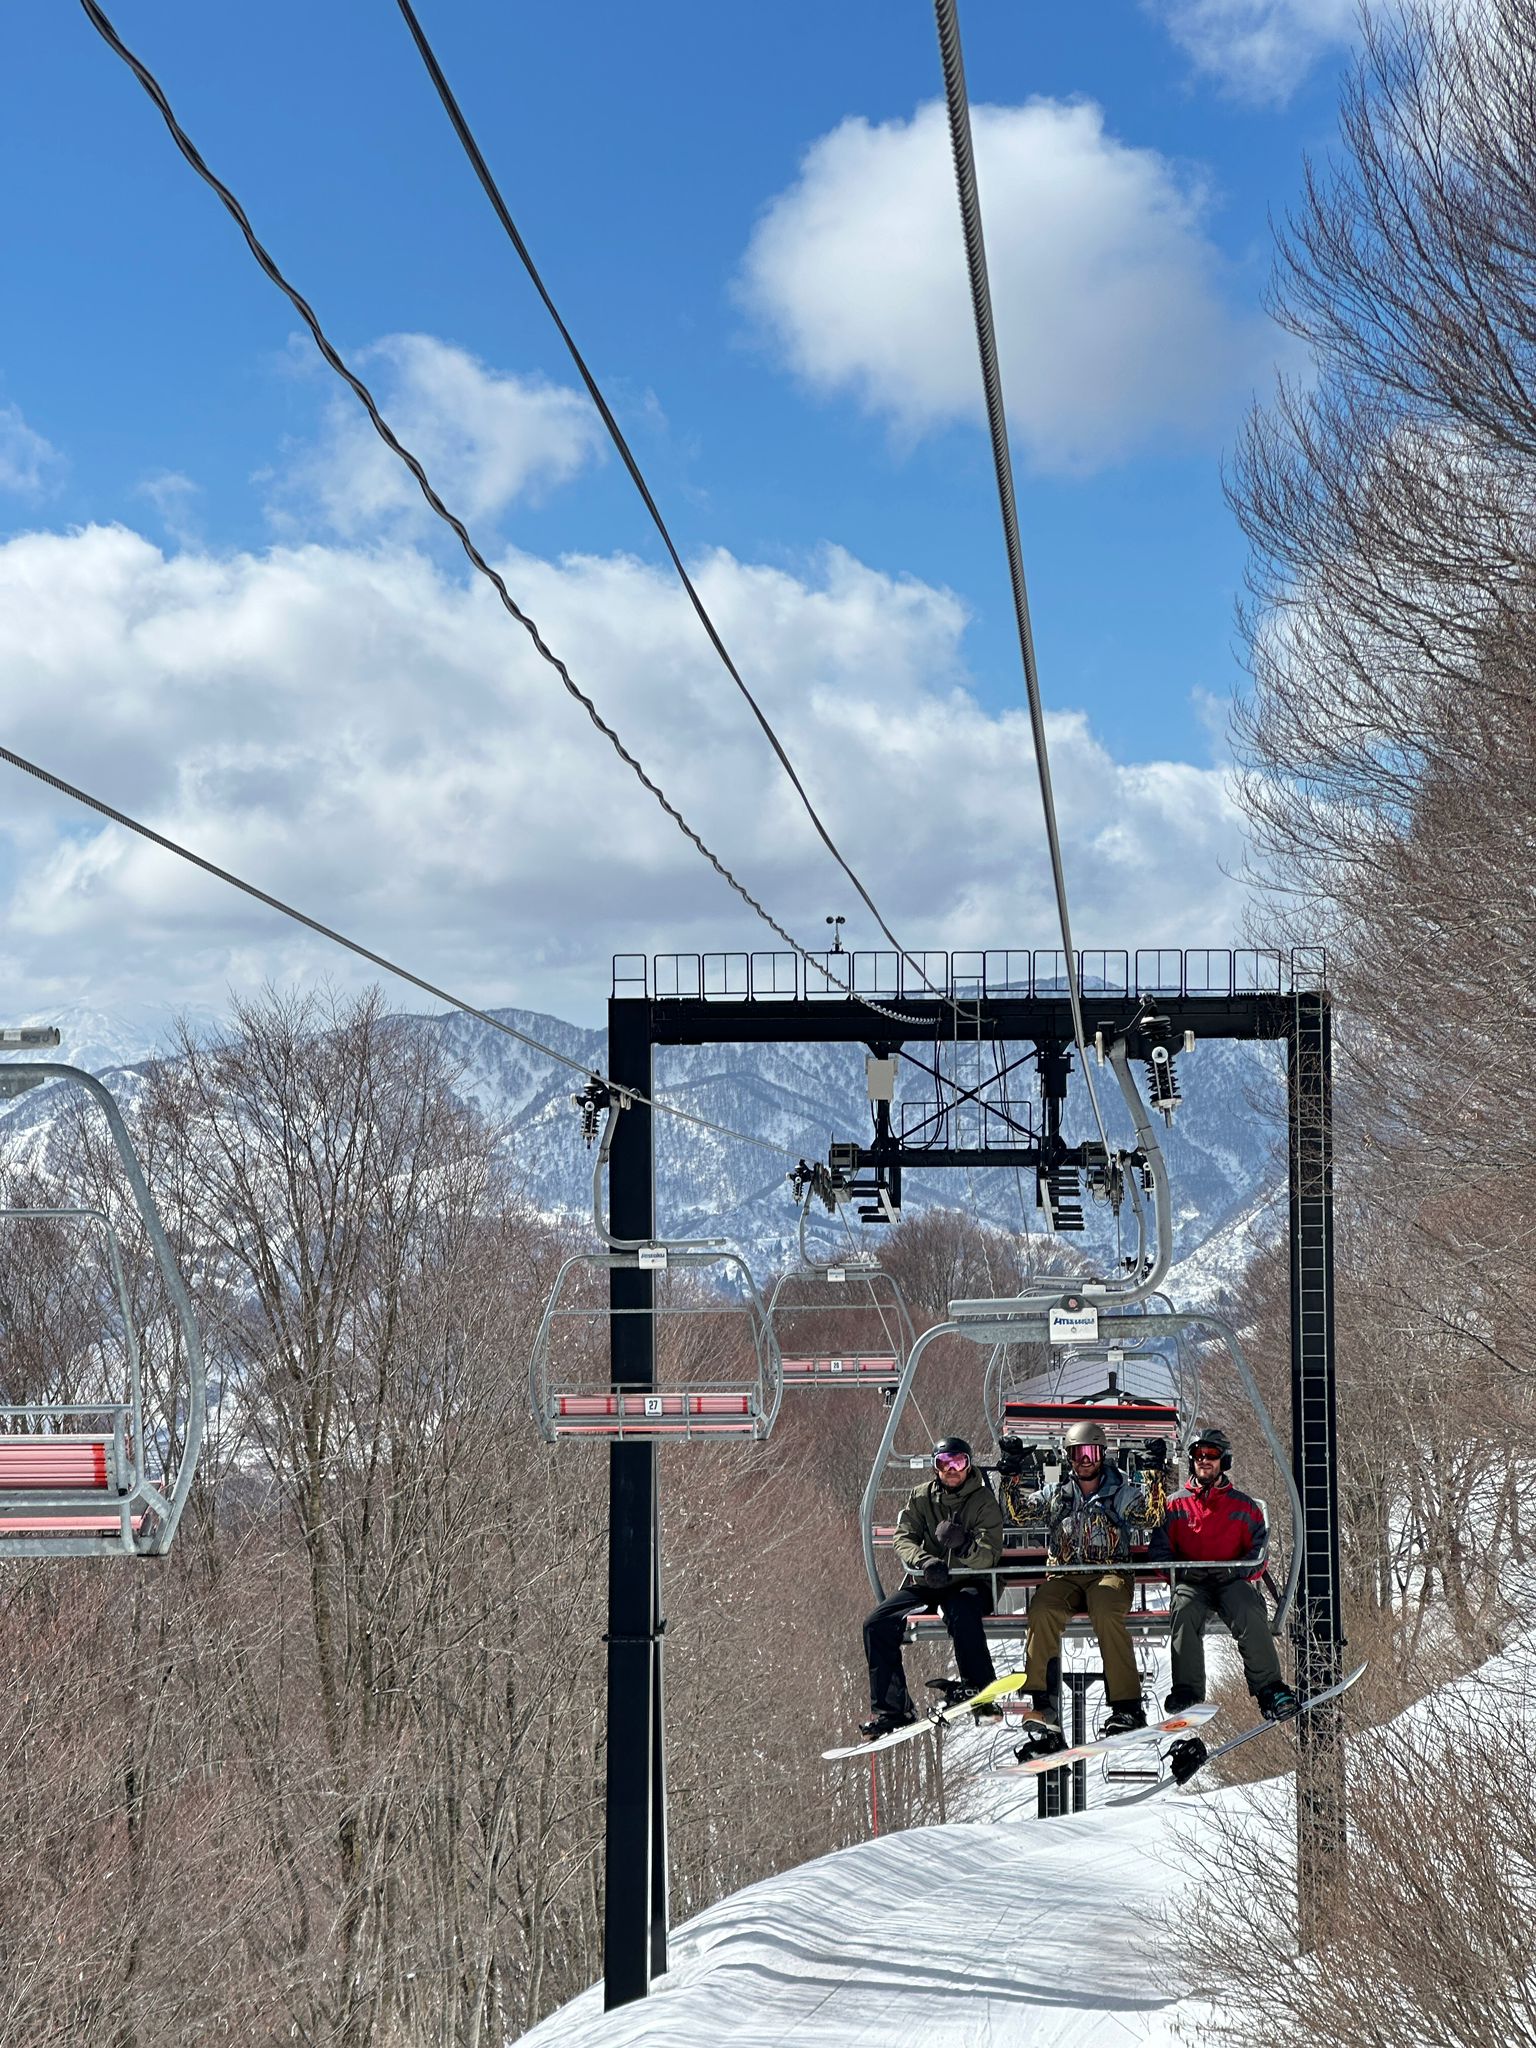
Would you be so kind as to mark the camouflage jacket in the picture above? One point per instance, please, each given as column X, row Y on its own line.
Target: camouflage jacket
column 1091, row 1528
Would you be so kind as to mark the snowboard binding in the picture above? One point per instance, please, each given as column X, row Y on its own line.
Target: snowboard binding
column 954, row 1692
column 1185, row 1758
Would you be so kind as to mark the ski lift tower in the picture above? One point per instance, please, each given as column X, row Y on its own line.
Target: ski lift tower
column 1009, row 1000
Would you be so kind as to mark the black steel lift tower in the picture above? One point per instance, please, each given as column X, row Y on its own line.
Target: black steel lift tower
column 1007, row 999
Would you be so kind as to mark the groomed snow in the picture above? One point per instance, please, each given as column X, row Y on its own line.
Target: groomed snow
column 1003, row 1931
column 995, row 1934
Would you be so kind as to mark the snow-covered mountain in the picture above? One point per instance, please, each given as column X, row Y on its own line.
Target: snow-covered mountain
column 1220, row 1151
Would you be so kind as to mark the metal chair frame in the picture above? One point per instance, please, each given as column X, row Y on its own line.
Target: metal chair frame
column 848, row 1369
column 649, row 1414
column 51, row 1521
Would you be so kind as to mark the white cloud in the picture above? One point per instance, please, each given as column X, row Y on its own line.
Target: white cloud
column 486, row 439
column 365, row 735
column 1114, row 323
column 29, row 464
column 1258, row 50
column 176, row 498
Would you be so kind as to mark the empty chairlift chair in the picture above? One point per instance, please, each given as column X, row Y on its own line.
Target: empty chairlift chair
column 840, row 1326
column 706, row 1364
column 92, row 1462
column 716, row 1366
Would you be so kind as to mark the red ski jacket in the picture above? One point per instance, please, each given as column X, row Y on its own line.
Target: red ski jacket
column 1210, row 1524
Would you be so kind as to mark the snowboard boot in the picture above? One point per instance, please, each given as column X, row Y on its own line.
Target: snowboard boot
column 1182, row 1696
column 1125, row 1717
column 1041, row 1738
column 1042, row 1731
column 885, row 1721
column 1277, row 1702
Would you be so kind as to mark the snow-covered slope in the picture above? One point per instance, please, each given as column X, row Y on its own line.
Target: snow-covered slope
column 1005, row 1932
column 1019, row 1934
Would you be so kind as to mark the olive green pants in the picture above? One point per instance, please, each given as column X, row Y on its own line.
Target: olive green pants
column 1241, row 1607
column 1107, row 1596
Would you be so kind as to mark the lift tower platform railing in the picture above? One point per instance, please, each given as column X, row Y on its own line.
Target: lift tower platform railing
column 1012, row 997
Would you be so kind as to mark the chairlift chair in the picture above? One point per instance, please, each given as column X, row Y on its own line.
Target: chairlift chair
column 571, row 1387
column 101, row 1475
column 570, row 1376
column 863, row 1298
column 1132, row 1425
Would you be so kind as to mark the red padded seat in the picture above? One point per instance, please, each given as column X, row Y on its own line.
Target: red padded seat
column 863, row 1366
column 641, row 1414
column 54, row 1463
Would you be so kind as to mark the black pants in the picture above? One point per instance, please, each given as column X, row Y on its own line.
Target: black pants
column 964, row 1608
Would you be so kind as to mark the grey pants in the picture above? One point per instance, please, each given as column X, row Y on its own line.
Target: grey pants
column 1241, row 1607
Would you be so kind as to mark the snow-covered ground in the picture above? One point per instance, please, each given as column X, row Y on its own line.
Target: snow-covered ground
column 1001, row 1931
column 998, row 1931
column 1004, row 1934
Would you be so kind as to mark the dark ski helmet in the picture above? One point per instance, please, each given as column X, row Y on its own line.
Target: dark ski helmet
column 952, row 1447
column 1218, row 1440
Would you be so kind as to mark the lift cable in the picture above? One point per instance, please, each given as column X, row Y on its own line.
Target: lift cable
column 387, row 434
column 326, row 931
column 482, row 171
column 986, row 343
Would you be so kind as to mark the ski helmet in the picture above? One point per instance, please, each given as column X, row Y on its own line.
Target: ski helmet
column 1218, row 1440
column 951, row 1447
column 1087, row 1433
column 1090, row 1437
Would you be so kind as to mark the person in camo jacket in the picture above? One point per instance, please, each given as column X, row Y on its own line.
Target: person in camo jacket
column 1210, row 1522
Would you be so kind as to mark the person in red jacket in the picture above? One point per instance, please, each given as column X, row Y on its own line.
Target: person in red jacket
column 1210, row 1521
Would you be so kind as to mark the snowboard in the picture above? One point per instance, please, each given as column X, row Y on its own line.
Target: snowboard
column 1191, row 1763
column 925, row 1724
column 1155, row 1731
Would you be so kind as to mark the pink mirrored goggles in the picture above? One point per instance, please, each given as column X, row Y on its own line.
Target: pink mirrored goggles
column 951, row 1461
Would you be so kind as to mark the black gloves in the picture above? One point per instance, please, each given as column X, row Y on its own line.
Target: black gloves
column 935, row 1575
column 952, row 1534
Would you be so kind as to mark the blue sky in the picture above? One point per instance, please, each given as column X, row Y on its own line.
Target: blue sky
column 225, row 614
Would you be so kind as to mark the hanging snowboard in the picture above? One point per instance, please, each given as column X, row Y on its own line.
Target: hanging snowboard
column 926, row 1723
column 1185, row 1758
column 1155, row 1731
column 1196, row 1756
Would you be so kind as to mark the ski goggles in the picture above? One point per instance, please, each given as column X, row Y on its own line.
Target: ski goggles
column 952, row 1461
column 1086, row 1454
column 1207, row 1451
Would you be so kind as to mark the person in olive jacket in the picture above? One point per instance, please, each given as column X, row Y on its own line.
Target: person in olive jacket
column 951, row 1525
